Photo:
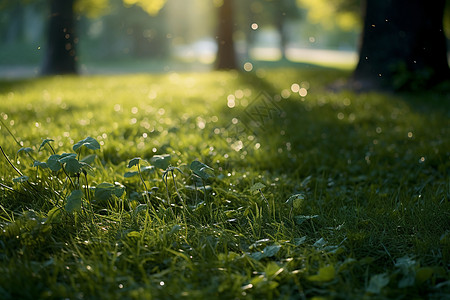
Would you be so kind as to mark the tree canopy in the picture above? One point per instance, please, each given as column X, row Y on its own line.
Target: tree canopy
column 344, row 14
column 152, row 7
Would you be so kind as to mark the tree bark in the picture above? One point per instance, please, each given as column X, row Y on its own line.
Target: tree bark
column 403, row 45
column 60, row 56
column 226, row 55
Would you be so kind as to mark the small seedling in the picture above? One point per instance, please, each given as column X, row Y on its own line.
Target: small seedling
column 202, row 171
column 171, row 170
column 163, row 162
column 136, row 162
column 257, row 187
column 22, row 178
column 296, row 202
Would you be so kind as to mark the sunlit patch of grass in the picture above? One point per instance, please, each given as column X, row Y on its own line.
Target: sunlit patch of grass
column 369, row 174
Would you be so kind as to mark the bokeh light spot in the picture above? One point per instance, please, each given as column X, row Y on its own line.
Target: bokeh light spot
column 248, row 66
column 303, row 92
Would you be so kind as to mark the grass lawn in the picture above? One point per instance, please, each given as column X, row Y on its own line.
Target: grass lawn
column 330, row 196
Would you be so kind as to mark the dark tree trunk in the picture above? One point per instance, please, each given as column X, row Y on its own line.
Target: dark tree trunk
column 226, row 55
column 60, row 56
column 403, row 45
column 279, row 22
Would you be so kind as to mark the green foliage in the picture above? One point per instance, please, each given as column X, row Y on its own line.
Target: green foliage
column 74, row 201
column 201, row 170
column 257, row 187
column 134, row 162
column 92, row 8
column 342, row 13
column 268, row 251
column 105, row 191
column 152, row 7
column 356, row 188
column 325, row 274
column 161, row 161
column 45, row 142
column 21, row 179
column 88, row 142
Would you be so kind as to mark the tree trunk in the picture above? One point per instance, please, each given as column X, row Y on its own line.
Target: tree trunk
column 403, row 45
column 226, row 55
column 60, row 56
column 280, row 23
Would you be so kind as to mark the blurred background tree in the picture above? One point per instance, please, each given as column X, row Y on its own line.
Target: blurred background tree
column 63, row 19
column 226, row 54
column 231, row 33
column 402, row 45
column 61, row 54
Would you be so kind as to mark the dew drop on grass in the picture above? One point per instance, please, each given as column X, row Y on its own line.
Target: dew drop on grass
column 303, row 92
column 285, row 93
column 351, row 117
column 248, row 66
column 239, row 94
column 231, row 101
column 201, row 123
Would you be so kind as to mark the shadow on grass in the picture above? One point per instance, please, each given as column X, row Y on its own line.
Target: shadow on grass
column 381, row 139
